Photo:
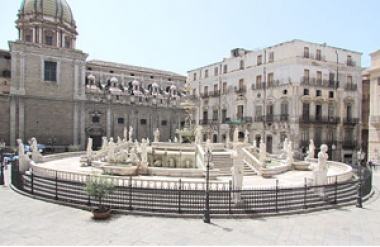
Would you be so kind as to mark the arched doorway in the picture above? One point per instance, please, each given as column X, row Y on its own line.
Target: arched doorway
column 258, row 139
column 241, row 136
column 215, row 138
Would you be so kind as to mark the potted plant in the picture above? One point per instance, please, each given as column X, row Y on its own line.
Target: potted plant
column 98, row 188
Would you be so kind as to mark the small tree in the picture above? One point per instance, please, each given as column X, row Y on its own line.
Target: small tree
column 98, row 188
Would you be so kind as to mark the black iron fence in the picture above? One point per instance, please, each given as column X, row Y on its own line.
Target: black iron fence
column 178, row 199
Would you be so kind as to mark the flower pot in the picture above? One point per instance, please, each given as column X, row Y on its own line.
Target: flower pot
column 100, row 214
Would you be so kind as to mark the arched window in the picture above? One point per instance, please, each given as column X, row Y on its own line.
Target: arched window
column 6, row 73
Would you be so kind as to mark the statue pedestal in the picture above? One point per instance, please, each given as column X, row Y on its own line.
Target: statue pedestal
column 23, row 162
column 143, row 168
column 320, row 178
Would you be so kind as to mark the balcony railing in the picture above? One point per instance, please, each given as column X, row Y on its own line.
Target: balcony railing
column 350, row 120
column 272, row 118
column 241, row 89
column 208, row 121
column 307, row 119
column 214, row 93
column 350, row 144
column 242, row 120
column 312, row 81
column 204, row 95
column 351, row 86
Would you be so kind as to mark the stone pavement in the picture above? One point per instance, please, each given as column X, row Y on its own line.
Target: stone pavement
column 26, row 221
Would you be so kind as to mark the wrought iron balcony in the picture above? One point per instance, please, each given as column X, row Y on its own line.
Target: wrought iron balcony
column 243, row 120
column 350, row 120
column 272, row 118
column 214, row 93
column 307, row 119
column 312, row 81
column 351, row 86
column 208, row 121
column 204, row 95
column 241, row 89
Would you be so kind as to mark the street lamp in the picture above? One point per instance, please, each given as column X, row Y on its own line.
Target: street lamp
column 2, row 164
column 206, row 215
column 360, row 158
column 333, row 147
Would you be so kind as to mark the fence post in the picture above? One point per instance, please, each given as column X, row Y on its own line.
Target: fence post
column 130, row 193
column 56, row 185
column 336, row 190
column 305, row 195
column 229, row 196
column 277, row 195
column 179, row 197
column 89, row 198
column 359, row 189
column 31, row 182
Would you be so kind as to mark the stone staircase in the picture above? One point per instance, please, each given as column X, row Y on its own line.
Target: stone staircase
column 224, row 163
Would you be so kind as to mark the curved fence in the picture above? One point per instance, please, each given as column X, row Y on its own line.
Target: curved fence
column 179, row 198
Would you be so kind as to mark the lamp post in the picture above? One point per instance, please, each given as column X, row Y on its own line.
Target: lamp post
column 360, row 157
column 333, row 147
column 206, row 213
column 2, row 164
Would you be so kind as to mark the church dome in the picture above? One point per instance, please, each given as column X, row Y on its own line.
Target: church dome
column 58, row 9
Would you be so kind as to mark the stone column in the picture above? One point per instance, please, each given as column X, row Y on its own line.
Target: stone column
column 21, row 116
column 109, row 120
column 83, row 125
column 75, row 124
column 22, row 74
column 12, row 122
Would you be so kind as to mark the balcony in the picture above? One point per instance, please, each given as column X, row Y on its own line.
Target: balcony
column 204, row 95
column 306, row 119
column 312, row 81
column 351, row 87
column 243, row 120
column 272, row 118
column 375, row 121
column 351, row 63
column 350, row 120
column 214, row 93
column 242, row 89
column 208, row 121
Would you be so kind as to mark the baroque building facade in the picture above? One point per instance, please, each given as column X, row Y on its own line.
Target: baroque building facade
column 49, row 91
column 374, row 115
column 297, row 90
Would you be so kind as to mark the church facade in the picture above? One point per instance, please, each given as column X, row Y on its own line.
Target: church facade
column 49, row 90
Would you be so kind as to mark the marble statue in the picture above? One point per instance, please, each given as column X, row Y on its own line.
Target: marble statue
column 284, row 149
column 172, row 163
column 198, row 134
column 111, row 150
column 290, row 154
column 104, row 143
column 157, row 135
column 23, row 160
column 125, row 133
column 175, row 139
column 119, row 141
column 89, row 147
column 208, row 146
column 20, row 148
column 158, row 163
column 263, row 151
column 237, row 171
column 322, row 158
column 34, row 145
column 236, row 135
column 130, row 133
column 246, row 136
column 144, row 151
column 311, row 150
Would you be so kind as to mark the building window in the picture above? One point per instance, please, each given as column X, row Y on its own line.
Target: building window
column 28, row 38
column 349, row 60
column 258, row 110
column 271, row 56
column 225, row 69
column 205, row 90
column 241, row 84
column 305, row 111
column 194, row 76
column 224, row 115
column 306, row 52
column 331, row 94
column 306, row 74
column 143, row 121
column 305, row 135
column 205, row 115
column 120, row 120
column 67, row 44
column 215, row 71
column 349, row 79
column 258, row 81
column 319, row 55
column 164, row 122
column 215, row 114
column 270, row 79
column 49, row 40
column 50, row 71
column 284, row 109
column 305, row 91
column 259, row 60
column 224, row 87
column 241, row 64
column 319, row 93
column 240, row 111
column 318, row 112
column 95, row 119
column 319, row 77
column 330, row 112
column 206, row 73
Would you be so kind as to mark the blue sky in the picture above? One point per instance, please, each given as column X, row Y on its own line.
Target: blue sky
column 180, row 35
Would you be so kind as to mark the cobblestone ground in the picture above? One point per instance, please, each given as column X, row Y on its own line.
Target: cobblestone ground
column 26, row 221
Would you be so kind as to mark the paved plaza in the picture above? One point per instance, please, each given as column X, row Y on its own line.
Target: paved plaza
column 26, row 221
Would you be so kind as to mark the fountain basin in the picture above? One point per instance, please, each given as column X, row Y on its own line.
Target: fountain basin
column 301, row 165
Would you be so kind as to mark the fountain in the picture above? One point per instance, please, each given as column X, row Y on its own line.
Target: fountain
column 187, row 133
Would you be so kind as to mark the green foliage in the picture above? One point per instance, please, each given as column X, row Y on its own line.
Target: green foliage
column 98, row 188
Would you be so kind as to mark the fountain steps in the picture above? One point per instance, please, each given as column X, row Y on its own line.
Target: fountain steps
column 224, row 163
